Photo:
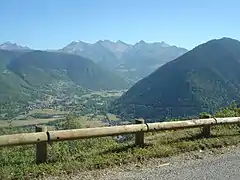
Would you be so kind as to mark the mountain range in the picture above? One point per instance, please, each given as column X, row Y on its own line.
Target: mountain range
column 202, row 80
column 130, row 61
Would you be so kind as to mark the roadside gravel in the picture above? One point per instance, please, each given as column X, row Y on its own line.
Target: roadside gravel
column 214, row 164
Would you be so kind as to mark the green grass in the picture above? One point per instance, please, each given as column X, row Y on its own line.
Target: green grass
column 80, row 155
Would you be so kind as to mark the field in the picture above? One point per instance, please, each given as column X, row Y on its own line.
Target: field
column 50, row 114
column 105, row 93
column 46, row 111
column 113, row 117
column 84, row 120
column 17, row 123
column 27, row 119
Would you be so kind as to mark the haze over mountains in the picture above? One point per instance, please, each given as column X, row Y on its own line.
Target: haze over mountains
column 131, row 61
column 202, row 80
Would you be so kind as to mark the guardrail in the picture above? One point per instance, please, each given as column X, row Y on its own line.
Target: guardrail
column 41, row 137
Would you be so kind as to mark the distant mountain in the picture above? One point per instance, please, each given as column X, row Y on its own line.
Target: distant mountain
column 13, row 47
column 118, row 48
column 203, row 79
column 97, row 52
column 130, row 61
column 39, row 68
column 143, row 58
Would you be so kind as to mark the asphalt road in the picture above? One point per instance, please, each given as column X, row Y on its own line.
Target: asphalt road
column 191, row 166
column 224, row 167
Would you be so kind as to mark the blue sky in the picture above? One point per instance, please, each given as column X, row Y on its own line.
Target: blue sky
column 51, row 24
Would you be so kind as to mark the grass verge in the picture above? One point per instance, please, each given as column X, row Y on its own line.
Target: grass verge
column 80, row 155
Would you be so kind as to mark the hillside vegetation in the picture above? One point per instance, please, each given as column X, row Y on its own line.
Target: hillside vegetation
column 40, row 79
column 28, row 75
column 204, row 79
column 11, row 85
column 40, row 68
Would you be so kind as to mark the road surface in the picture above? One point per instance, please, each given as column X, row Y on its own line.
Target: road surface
column 190, row 166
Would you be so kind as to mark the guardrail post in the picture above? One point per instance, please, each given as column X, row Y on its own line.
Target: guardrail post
column 206, row 130
column 139, row 136
column 41, row 147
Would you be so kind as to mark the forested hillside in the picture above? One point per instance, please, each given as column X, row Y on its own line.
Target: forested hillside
column 203, row 79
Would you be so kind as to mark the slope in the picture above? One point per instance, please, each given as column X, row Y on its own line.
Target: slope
column 11, row 85
column 39, row 68
column 203, row 79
